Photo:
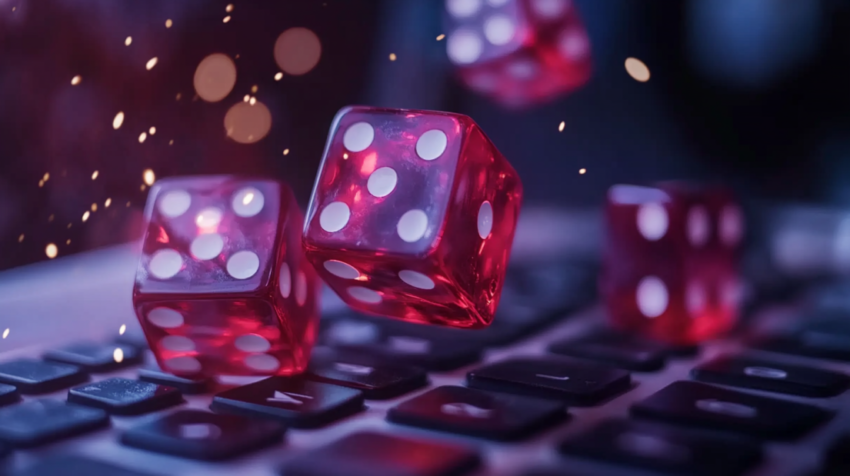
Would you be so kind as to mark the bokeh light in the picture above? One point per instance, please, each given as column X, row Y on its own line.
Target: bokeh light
column 215, row 77
column 278, row 76
column 107, row 203
column 285, row 151
column 582, row 171
column 228, row 8
column 151, row 63
column 148, row 177
column 441, row 37
column 247, row 123
column 86, row 215
column 122, row 329
column 561, row 126
column 226, row 19
column 6, row 333
column 152, row 130
column 76, row 80
column 142, row 137
column 94, row 175
column 128, row 41
column 168, row 23
column 637, row 70
column 21, row 238
column 297, row 51
column 51, row 250
column 118, row 355
column 392, row 57
column 119, row 119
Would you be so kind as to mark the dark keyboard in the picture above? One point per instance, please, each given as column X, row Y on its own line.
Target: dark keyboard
column 546, row 390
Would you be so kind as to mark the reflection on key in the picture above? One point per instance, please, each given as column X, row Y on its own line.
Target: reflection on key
column 727, row 408
column 465, row 409
column 200, row 431
column 652, row 447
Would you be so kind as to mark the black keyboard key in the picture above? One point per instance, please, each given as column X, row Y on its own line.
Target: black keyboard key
column 663, row 449
column 299, row 402
column 615, row 350
column 376, row 454
column 836, row 461
column 761, row 374
column 203, row 435
column 571, row 381
column 692, row 403
column 472, row 412
column 377, row 382
column 34, row 376
column 819, row 346
column 67, row 465
column 8, row 394
column 37, row 422
column 187, row 386
column 383, row 342
column 121, row 396
column 97, row 357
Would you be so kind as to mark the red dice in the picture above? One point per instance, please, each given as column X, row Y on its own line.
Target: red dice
column 413, row 216
column 519, row 52
column 222, row 287
column 670, row 261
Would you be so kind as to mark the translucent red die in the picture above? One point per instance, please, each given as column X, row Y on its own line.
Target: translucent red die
column 518, row 52
column 222, row 286
column 670, row 261
column 413, row 215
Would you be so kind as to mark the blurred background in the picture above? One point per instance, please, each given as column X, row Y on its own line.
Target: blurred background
column 100, row 98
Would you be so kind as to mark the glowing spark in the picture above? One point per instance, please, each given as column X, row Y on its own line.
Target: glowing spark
column 226, row 19
column 440, row 37
column 582, row 171
column 254, row 89
column 107, row 203
column 94, row 207
column 118, row 355
column 561, row 126
column 179, row 95
column 46, row 176
column 148, row 177
column 152, row 130
column 168, row 23
column 252, row 101
column 246, row 98
column 119, row 119
column 142, row 187
column 69, row 225
column 345, row 156
column 171, row 142
column 392, row 57
column 122, row 329
column 128, row 204
column 21, row 238
column 278, row 75
column 41, row 183
column 285, row 151
column 248, row 197
column 76, row 80
column 142, row 137
column 51, row 251
column 228, row 8
column 128, row 40
column 68, row 241
column 86, row 216
column 94, row 175
column 637, row 70
column 151, row 63
column 6, row 333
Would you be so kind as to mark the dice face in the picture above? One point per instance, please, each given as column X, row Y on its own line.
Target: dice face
column 222, row 287
column 413, row 216
column 519, row 52
column 670, row 261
